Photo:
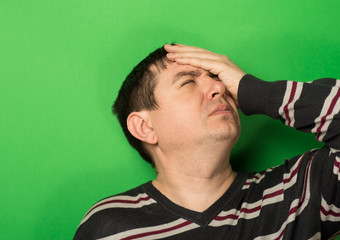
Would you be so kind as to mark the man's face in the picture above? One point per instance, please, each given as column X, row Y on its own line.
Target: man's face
column 194, row 109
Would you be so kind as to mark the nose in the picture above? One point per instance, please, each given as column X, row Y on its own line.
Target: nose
column 215, row 89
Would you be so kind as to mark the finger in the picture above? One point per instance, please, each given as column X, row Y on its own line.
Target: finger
column 210, row 65
column 185, row 48
column 182, row 48
column 207, row 55
column 179, row 44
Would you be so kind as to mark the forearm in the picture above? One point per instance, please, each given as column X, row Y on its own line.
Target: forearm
column 309, row 107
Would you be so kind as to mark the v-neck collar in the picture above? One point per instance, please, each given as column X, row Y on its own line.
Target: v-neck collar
column 201, row 218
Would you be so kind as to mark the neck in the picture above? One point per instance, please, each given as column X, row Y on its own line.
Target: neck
column 194, row 182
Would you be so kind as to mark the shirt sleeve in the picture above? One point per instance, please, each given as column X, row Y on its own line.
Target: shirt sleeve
column 309, row 107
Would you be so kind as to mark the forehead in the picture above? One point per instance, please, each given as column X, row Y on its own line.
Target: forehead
column 167, row 75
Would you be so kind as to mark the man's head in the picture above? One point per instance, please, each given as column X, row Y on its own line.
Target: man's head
column 166, row 109
column 137, row 93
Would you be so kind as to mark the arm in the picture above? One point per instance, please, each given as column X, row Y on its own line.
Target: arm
column 309, row 107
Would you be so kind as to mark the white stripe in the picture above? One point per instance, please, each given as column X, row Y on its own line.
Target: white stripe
column 238, row 213
column 333, row 150
column 336, row 169
column 290, row 106
column 272, row 200
column 317, row 236
column 329, row 207
column 285, row 100
column 273, row 189
column 133, row 232
column 287, row 176
column 323, row 113
column 334, row 235
column 122, row 197
column 291, row 217
column 227, row 221
column 259, row 176
column 261, row 202
column 256, row 179
column 329, row 118
column 96, row 209
column 244, row 215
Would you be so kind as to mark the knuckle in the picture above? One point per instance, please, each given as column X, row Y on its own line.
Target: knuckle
column 226, row 57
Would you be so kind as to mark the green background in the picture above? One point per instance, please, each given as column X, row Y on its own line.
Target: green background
column 62, row 63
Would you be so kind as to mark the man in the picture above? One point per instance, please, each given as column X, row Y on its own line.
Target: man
column 178, row 108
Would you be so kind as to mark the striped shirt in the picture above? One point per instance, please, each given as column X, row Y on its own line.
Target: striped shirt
column 297, row 200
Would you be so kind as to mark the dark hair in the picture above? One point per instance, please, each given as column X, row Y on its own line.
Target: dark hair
column 137, row 93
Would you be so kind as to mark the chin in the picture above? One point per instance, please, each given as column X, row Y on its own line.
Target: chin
column 229, row 136
column 219, row 137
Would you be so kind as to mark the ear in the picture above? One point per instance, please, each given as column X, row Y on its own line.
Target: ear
column 141, row 128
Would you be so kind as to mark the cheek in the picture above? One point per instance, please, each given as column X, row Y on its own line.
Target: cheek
column 185, row 112
column 178, row 116
column 175, row 117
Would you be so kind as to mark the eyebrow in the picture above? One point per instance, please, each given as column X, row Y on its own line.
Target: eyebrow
column 179, row 75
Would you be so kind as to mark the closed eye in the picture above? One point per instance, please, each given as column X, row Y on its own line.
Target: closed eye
column 187, row 82
column 214, row 77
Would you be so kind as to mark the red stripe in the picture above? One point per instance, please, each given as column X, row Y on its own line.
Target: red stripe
column 280, row 235
column 329, row 212
column 235, row 217
column 294, row 209
column 267, row 196
column 274, row 194
column 119, row 201
column 258, row 177
column 278, row 192
column 336, row 164
column 249, row 181
column 291, row 97
column 306, row 179
column 157, row 231
column 329, row 111
column 285, row 181
column 249, row 210
column 230, row 216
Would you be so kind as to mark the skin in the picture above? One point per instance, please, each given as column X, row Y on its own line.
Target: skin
column 227, row 71
column 194, row 129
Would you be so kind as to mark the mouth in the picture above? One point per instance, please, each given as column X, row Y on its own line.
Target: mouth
column 221, row 110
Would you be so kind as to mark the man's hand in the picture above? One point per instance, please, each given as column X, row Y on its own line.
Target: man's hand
column 227, row 71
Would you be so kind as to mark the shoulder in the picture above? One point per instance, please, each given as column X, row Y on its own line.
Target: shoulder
column 110, row 214
column 276, row 177
column 133, row 198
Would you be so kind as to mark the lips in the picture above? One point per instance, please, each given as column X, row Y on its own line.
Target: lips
column 220, row 109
